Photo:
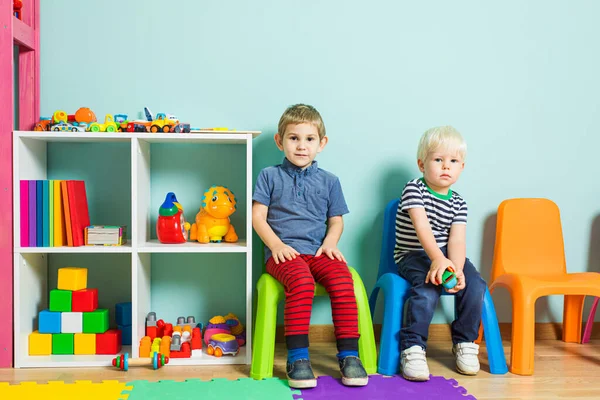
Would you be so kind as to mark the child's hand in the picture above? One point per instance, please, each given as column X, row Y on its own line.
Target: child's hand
column 283, row 252
column 461, row 282
column 438, row 266
column 331, row 252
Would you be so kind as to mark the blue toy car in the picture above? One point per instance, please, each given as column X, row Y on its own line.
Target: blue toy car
column 222, row 343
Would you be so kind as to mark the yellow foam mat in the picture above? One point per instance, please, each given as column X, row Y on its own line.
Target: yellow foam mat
column 58, row 390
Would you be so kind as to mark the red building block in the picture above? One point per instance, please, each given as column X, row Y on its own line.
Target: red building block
column 151, row 331
column 196, row 339
column 186, row 352
column 160, row 328
column 85, row 300
column 168, row 330
column 108, row 342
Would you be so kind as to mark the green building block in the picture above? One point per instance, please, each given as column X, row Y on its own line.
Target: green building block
column 95, row 321
column 63, row 343
column 60, row 300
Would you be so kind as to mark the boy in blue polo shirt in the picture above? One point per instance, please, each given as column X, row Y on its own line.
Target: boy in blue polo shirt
column 297, row 212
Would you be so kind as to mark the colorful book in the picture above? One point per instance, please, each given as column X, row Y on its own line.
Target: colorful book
column 59, row 216
column 32, row 214
column 66, row 209
column 80, row 217
column 45, row 214
column 39, row 205
column 24, row 212
column 51, row 208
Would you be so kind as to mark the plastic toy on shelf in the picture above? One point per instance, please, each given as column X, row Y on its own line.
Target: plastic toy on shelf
column 222, row 344
column 212, row 221
column 123, row 362
column 228, row 324
column 171, row 227
column 175, row 341
column 17, row 6
column 108, row 125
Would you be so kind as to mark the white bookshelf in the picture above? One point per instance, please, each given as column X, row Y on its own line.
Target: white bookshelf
column 31, row 263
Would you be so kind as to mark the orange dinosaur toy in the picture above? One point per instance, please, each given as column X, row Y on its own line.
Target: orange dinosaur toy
column 212, row 222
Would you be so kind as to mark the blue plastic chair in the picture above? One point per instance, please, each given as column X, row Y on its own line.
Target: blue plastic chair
column 396, row 290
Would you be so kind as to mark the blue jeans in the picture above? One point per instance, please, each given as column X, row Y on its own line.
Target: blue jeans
column 423, row 299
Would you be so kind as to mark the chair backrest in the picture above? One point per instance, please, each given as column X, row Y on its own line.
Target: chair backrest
column 388, row 242
column 529, row 239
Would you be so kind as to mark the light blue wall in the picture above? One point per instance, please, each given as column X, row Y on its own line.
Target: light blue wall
column 518, row 79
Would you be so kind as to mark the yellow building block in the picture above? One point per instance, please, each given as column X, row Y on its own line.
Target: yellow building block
column 85, row 343
column 72, row 278
column 40, row 344
column 155, row 346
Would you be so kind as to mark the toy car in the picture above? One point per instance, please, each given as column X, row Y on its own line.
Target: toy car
column 222, row 344
column 64, row 127
column 108, row 125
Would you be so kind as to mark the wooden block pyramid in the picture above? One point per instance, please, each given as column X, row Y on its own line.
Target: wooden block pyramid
column 73, row 323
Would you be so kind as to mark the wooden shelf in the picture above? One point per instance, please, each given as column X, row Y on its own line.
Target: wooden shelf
column 23, row 34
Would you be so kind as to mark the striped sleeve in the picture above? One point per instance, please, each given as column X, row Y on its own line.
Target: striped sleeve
column 461, row 216
column 411, row 197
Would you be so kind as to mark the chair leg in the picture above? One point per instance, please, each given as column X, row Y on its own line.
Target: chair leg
column 523, row 335
column 493, row 339
column 589, row 325
column 366, row 343
column 269, row 294
column 572, row 318
column 373, row 300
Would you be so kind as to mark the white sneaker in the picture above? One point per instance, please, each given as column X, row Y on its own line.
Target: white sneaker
column 414, row 364
column 467, row 362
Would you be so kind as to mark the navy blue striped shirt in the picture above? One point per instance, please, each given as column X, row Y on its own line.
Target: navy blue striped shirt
column 442, row 212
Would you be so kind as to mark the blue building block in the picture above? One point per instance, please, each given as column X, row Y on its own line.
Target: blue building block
column 49, row 322
column 125, row 334
column 123, row 313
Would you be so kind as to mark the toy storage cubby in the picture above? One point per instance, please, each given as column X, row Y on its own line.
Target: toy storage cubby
column 150, row 165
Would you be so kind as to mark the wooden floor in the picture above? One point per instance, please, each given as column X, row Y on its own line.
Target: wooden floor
column 562, row 370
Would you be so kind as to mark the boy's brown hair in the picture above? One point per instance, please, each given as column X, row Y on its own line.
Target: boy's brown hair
column 301, row 113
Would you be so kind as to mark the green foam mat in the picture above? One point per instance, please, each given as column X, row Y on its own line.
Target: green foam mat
column 216, row 389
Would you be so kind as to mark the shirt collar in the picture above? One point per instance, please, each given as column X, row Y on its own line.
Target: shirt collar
column 294, row 170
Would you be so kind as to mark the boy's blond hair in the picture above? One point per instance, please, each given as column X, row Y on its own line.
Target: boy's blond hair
column 443, row 138
column 299, row 114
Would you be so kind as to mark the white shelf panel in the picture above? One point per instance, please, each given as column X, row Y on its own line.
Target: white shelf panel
column 74, row 136
column 154, row 246
column 68, row 361
column 126, row 248
column 208, row 138
column 222, row 137
column 201, row 358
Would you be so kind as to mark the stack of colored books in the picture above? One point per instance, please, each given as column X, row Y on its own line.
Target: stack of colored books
column 53, row 213
column 105, row 235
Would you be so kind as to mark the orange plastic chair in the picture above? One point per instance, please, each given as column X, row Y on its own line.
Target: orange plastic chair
column 529, row 261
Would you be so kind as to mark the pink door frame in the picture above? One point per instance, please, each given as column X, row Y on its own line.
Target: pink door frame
column 26, row 34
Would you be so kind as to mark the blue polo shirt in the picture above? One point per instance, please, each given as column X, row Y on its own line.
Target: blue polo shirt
column 300, row 201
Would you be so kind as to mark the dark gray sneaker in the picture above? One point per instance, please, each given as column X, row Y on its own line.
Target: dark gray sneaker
column 300, row 374
column 353, row 372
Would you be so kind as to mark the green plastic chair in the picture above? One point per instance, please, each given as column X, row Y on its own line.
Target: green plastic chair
column 271, row 292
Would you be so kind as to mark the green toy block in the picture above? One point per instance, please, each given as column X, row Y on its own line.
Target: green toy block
column 95, row 321
column 63, row 343
column 60, row 300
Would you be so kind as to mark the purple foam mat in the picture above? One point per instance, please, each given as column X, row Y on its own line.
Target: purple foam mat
column 382, row 387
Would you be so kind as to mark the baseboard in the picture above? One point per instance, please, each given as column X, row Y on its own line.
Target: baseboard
column 543, row 331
